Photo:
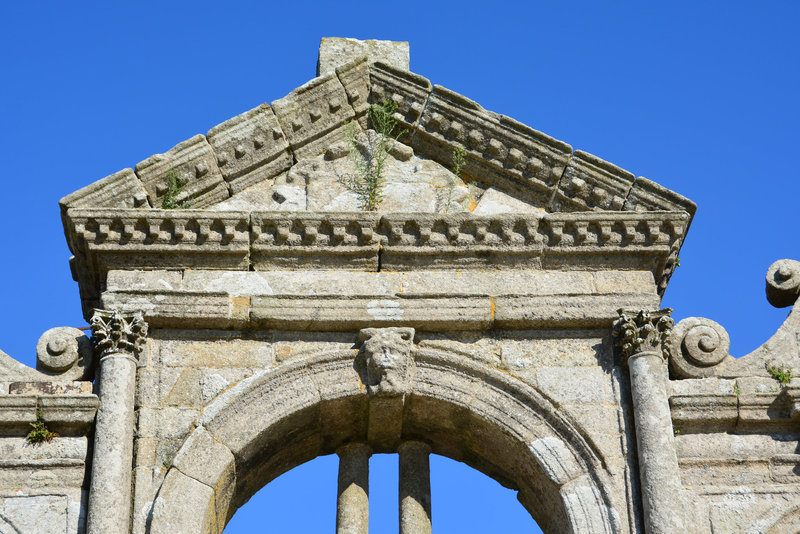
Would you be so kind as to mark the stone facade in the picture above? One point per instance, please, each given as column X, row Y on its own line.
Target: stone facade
column 507, row 318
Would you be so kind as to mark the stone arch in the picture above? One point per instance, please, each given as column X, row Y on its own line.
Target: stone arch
column 466, row 410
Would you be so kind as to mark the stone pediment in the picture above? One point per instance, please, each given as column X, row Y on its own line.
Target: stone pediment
column 268, row 189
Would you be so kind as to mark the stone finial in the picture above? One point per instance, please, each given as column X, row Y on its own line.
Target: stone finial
column 783, row 283
column 337, row 51
column 114, row 331
column 386, row 352
column 643, row 331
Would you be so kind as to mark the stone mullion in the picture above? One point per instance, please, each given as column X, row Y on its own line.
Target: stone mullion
column 118, row 339
column 642, row 335
column 415, row 487
column 352, row 503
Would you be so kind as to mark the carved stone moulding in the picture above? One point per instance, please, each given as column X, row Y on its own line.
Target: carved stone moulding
column 104, row 240
column 499, row 150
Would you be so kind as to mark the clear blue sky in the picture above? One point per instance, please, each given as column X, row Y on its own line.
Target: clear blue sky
column 701, row 97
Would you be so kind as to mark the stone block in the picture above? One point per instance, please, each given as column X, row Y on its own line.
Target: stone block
column 647, row 195
column 336, row 51
column 590, row 183
column 191, row 506
column 556, row 349
column 313, row 115
column 494, row 202
column 250, row 148
column 555, row 459
column 146, row 484
column 166, row 423
column 122, row 189
column 564, row 385
column 559, row 311
column 206, row 459
column 702, row 387
column 354, row 77
column 321, row 241
column 218, row 351
column 606, row 282
column 138, row 239
column 194, row 163
column 500, row 151
column 35, row 513
column 406, row 89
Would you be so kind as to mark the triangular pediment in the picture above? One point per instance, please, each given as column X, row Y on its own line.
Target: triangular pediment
column 289, row 156
column 268, row 189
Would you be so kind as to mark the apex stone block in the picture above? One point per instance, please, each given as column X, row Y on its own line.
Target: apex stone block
column 408, row 90
column 335, row 51
column 250, row 148
column 590, row 183
column 499, row 150
column 312, row 115
column 196, row 166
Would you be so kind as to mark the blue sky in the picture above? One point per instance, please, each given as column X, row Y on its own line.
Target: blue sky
column 701, row 97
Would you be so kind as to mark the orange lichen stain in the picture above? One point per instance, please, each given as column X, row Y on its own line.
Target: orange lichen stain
column 240, row 302
column 282, row 352
column 491, row 303
column 472, row 205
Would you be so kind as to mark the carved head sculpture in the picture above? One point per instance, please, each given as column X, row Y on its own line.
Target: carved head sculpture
column 386, row 353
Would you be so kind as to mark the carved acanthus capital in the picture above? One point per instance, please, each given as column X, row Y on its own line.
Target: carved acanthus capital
column 643, row 331
column 118, row 332
column 386, row 354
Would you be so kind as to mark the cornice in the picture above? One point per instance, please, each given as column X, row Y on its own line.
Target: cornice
column 132, row 239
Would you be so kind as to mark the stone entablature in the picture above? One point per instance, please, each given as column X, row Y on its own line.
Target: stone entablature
column 104, row 240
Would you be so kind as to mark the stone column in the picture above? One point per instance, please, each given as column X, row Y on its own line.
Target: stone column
column 641, row 339
column 118, row 340
column 352, row 503
column 415, row 488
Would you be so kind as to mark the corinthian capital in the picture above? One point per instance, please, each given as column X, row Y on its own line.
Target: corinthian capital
column 115, row 332
column 643, row 331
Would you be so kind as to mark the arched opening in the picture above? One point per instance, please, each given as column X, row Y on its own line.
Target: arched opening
column 303, row 500
column 284, row 417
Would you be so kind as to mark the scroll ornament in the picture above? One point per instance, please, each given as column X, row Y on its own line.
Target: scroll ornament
column 115, row 332
column 643, row 331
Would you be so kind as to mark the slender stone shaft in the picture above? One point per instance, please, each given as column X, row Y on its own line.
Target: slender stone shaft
column 415, row 488
column 118, row 338
column 110, row 490
column 662, row 492
column 352, row 503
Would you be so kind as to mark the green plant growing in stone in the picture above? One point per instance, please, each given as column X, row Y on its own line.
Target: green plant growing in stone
column 40, row 433
column 458, row 164
column 780, row 373
column 736, row 390
column 367, row 182
column 174, row 188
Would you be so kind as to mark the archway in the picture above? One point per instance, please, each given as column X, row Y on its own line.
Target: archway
column 283, row 417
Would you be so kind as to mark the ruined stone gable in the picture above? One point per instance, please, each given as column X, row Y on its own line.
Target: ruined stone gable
column 507, row 317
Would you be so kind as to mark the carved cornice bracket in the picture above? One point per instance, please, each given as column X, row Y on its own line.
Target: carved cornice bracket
column 643, row 331
column 386, row 359
column 118, row 332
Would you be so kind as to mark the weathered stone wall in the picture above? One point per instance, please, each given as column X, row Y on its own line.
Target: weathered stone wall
column 185, row 371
